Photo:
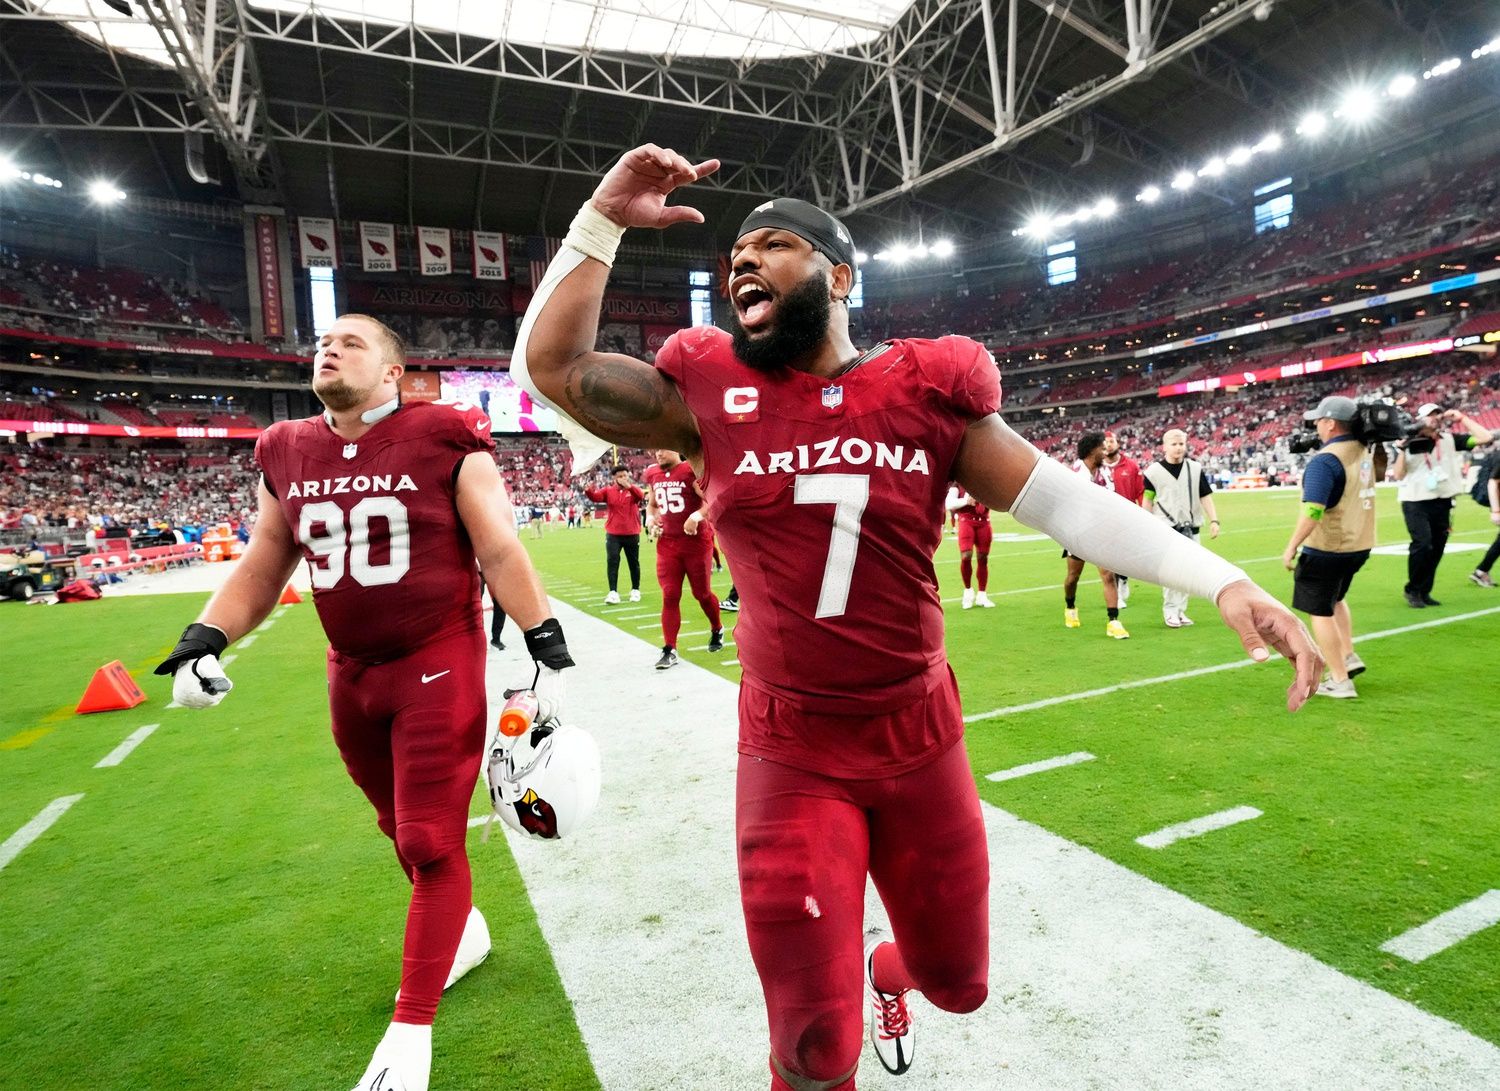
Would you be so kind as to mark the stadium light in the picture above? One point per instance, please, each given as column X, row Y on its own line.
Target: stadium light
column 1105, row 207
column 1314, row 123
column 1082, row 215
column 1356, row 106
column 1271, row 142
column 42, row 180
column 1442, row 68
column 943, row 248
column 104, row 193
column 1039, row 226
column 1183, row 180
column 861, row 256
column 1213, row 168
column 1239, row 157
column 8, row 170
column 1401, row 86
column 1150, row 195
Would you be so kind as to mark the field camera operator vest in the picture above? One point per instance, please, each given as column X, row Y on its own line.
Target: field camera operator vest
column 1349, row 525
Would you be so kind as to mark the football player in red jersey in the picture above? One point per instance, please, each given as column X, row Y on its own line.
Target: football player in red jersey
column 974, row 537
column 684, row 545
column 1090, row 467
column 391, row 505
column 825, row 470
column 1125, row 479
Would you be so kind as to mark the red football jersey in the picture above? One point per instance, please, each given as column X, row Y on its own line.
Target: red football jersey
column 828, row 496
column 971, row 513
column 675, row 496
column 623, row 507
column 392, row 566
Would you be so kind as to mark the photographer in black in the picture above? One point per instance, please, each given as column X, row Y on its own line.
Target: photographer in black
column 1431, row 474
column 1336, row 532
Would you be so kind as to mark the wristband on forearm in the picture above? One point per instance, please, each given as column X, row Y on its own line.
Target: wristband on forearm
column 1118, row 536
column 595, row 234
column 197, row 641
column 546, row 645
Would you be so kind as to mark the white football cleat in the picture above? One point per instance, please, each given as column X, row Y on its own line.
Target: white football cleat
column 473, row 948
column 635, row 594
column 968, row 598
column 890, row 1022
column 983, row 599
column 612, row 599
column 402, row 1060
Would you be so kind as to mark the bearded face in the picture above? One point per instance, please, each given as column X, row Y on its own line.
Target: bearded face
column 788, row 327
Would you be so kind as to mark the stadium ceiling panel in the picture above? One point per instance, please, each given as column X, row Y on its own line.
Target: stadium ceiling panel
column 957, row 113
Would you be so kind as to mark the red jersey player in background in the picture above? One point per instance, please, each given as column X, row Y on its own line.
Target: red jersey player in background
column 1090, row 466
column 974, row 536
column 622, row 531
column 1126, row 479
column 684, row 547
column 391, row 505
column 825, row 470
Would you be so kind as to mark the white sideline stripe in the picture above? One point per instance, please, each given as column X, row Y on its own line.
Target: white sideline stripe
column 280, row 611
column 264, row 625
column 17, row 842
column 228, row 659
column 1040, row 766
column 1196, row 827
column 1100, row 977
column 730, row 663
column 1137, row 683
column 1446, row 929
column 246, row 641
column 121, row 752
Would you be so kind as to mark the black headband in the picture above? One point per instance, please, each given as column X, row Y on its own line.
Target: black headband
column 824, row 232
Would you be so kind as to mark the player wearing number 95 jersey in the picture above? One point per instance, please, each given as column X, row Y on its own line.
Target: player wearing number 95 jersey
column 397, row 510
column 825, row 470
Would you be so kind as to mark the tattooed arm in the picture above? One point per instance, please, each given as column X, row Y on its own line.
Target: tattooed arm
column 617, row 398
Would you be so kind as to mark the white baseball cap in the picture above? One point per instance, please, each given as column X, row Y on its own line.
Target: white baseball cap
column 1428, row 409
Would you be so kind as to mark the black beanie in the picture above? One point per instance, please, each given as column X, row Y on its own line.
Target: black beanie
column 823, row 231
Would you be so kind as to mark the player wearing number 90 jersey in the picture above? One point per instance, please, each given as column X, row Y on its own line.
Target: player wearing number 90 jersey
column 392, row 567
column 828, row 493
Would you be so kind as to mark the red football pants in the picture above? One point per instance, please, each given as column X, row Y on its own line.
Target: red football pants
column 805, row 844
column 678, row 557
column 411, row 733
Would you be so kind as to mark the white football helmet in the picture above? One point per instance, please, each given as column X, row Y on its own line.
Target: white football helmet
column 545, row 783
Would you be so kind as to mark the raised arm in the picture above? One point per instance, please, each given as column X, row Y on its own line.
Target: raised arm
column 616, row 398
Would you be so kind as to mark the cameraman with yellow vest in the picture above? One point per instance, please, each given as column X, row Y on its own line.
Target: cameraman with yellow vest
column 1336, row 532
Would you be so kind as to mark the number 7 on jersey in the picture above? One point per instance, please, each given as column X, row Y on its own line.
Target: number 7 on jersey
column 848, row 493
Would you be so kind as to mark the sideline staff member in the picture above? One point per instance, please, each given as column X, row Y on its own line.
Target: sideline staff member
column 1336, row 531
column 1430, row 479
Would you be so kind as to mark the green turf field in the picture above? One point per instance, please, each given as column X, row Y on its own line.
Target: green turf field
column 200, row 917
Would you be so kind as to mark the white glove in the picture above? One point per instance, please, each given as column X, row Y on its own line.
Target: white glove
column 200, row 683
column 550, row 688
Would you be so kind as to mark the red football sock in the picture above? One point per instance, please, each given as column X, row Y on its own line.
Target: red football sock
column 966, row 570
column 984, row 571
column 671, row 621
column 888, row 972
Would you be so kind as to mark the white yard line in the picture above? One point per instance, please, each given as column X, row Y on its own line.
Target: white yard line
column 17, row 842
column 1040, row 766
column 1446, row 929
column 1177, row 676
column 246, row 641
column 1099, row 976
column 121, row 752
column 1197, row 827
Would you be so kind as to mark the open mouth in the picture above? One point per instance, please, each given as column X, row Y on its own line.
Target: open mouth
column 754, row 303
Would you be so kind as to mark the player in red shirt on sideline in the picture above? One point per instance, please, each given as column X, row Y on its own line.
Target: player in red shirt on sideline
column 1090, row 467
column 824, row 469
column 622, row 531
column 398, row 510
column 1126, row 479
column 974, row 536
column 684, row 547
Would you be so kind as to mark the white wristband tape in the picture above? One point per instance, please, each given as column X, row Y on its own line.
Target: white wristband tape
column 1118, row 536
column 594, row 234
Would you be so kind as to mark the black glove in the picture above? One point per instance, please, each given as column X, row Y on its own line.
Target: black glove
column 547, row 645
column 198, row 641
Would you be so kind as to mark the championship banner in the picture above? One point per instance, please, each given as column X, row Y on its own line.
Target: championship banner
column 318, row 243
column 489, row 256
column 377, row 247
column 268, row 276
column 434, row 251
column 420, row 386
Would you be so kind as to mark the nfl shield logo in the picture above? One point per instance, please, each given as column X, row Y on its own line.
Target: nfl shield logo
column 833, row 397
column 350, row 450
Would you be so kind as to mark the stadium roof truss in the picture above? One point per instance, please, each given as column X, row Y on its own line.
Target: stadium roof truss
column 966, row 109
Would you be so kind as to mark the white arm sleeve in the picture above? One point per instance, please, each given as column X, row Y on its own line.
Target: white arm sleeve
column 1117, row 535
column 586, row 447
column 954, row 501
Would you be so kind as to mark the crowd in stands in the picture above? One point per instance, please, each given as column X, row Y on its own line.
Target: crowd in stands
column 113, row 294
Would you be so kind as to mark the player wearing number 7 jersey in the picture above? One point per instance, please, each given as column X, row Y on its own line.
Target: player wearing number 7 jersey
column 391, row 505
column 824, row 469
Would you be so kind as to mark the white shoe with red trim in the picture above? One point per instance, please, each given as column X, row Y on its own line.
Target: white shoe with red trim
column 890, row 1021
